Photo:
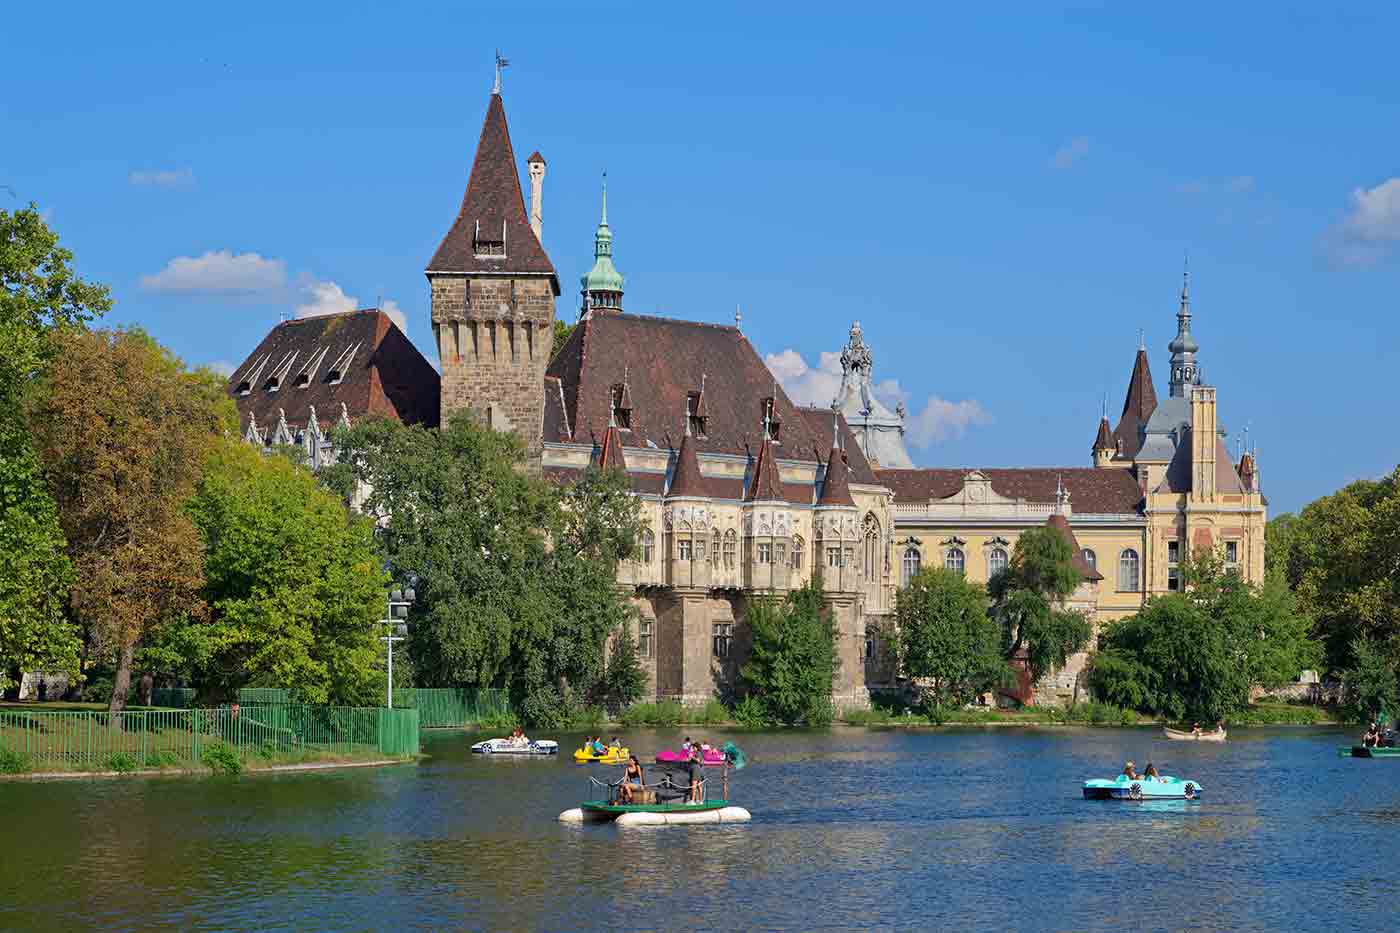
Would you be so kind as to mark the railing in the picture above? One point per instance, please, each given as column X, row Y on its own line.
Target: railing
column 90, row 739
column 438, row 706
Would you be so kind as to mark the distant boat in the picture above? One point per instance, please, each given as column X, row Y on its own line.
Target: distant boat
column 1187, row 736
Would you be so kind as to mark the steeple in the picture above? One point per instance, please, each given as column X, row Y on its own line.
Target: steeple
column 1104, row 445
column 686, row 479
column 1138, row 405
column 836, row 485
column 764, row 484
column 602, row 285
column 1183, row 347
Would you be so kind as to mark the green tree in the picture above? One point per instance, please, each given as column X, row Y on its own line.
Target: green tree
column 292, row 580
column 625, row 680
column 1027, row 601
column 793, row 661
column 517, row 577
column 1369, row 685
column 122, row 430
column 948, row 645
column 561, row 337
column 1278, row 544
column 40, row 297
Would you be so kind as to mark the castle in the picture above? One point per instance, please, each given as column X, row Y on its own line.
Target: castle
column 742, row 491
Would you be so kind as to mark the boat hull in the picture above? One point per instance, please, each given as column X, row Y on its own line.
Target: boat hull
column 1363, row 751
column 1177, row 735
column 502, row 747
column 674, row 814
column 1165, row 788
column 713, row 759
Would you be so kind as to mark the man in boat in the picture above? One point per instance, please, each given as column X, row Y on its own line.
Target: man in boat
column 1372, row 738
column 695, row 766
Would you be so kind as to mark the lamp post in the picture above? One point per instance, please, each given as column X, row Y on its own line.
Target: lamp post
column 396, row 630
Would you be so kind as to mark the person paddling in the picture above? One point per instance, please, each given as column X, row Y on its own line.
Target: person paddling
column 1130, row 771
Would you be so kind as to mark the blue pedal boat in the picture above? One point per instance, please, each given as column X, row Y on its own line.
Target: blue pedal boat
column 1140, row 788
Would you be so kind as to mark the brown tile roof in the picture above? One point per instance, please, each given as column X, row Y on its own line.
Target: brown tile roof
column 764, row 483
column 687, row 480
column 1061, row 524
column 836, row 484
column 1091, row 490
column 1104, row 440
column 494, row 206
column 1138, row 406
column 662, row 361
column 1178, row 476
column 643, row 483
column 819, row 422
column 381, row 373
column 534, row 157
column 608, row 454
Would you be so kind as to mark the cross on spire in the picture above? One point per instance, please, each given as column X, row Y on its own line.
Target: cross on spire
column 501, row 63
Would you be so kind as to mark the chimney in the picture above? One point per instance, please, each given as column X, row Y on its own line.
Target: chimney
column 536, row 165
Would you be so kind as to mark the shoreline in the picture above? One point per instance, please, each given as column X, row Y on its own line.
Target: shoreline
column 205, row 772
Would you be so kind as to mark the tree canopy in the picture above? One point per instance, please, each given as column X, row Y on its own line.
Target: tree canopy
column 793, row 661
column 516, row 577
column 948, row 645
column 1027, row 601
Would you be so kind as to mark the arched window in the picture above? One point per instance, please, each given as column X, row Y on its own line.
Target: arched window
column 912, row 560
column 1128, row 571
column 797, row 545
column 731, row 549
column 648, row 546
column 872, row 548
column 996, row 562
column 1090, row 558
column 714, row 548
column 954, row 560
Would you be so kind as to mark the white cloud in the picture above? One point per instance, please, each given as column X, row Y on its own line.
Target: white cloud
column 222, row 367
column 324, row 297
column 938, row 420
column 1371, row 228
column 218, row 272
column 1071, row 152
column 177, row 178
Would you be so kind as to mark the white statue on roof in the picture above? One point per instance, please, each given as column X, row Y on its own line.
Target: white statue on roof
column 879, row 430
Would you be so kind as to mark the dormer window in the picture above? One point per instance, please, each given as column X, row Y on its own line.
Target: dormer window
column 303, row 380
column 273, row 384
column 244, row 387
column 333, row 377
column 621, row 406
column 695, row 416
column 485, row 243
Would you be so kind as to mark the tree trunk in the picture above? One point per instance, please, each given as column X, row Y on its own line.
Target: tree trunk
column 121, row 686
column 143, row 692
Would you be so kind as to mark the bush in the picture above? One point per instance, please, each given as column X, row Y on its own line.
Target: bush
column 98, row 690
column 590, row 717
column 665, row 713
column 712, row 713
column 221, row 758
column 121, row 762
column 1276, row 714
column 1094, row 714
column 13, row 762
column 751, row 714
column 874, row 716
column 165, row 758
column 499, row 721
column 792, row 660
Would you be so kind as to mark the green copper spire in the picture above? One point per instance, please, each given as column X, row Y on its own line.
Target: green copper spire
column 602, row 285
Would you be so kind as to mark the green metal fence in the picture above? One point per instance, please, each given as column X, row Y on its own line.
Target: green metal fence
column 439, row 707
column 89, row 739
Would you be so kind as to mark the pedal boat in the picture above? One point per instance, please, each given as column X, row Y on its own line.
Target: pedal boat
column 613, row 756
column 662, row 802
column 712, row 758
column 1368, row 751
column 1140, row 788
column 1179, row 735
column 504, row 747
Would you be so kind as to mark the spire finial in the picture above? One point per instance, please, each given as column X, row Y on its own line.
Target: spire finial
column 1142, row 338
column 501, row 63
column 738, row 317
column 1103, row 407
column 604, row 221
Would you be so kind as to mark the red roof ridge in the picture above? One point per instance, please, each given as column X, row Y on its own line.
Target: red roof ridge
column 672, row 320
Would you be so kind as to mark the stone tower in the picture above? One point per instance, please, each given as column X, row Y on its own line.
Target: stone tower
column 493, row 290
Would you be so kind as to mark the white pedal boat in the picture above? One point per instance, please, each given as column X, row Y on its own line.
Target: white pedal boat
column 505, row 747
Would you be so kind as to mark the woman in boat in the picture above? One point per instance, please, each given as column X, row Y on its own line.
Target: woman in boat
column 1372, row 737
column 1195, row 728
column 1130, row 771
column 1150, row 773
column 632, row 780
column 695, row 765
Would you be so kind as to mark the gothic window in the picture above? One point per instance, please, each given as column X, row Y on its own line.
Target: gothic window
column 644, row 638
column 797, row 544
column 833, row 557
column 871, row 647
column 1128, row 571
column 996, row 562
column 954, row 560
column 765, row 552
column 912, row 560
column 723, row 637
column 648, row 546
column 700, row 547
column 1090, row 558
column 731, row 548
column 779, row 553
column 872, row 548
column 714, row 548
column 683, row 548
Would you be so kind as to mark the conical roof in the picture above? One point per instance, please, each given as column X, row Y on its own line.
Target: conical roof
column 765, row 485
column 836, row 486
column 609, row 454
column 687, row 479
column 1138, row 406
column 493, row 210
column 1104, row 440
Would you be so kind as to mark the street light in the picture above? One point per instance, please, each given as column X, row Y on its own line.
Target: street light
column 396, row 630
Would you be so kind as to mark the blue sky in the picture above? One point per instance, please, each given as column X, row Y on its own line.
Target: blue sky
column 1001, row 197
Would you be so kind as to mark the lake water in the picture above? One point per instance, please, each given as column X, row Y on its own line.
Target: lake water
column 957, row 829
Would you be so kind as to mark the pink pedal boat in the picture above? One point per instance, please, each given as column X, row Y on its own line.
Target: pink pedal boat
column 713, row 757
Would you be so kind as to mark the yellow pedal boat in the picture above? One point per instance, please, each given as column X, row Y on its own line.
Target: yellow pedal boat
column 613, row 756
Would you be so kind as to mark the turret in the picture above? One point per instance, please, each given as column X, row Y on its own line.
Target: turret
column 536, row 166
column 1104, row 444
column 602, row 285
column 1185, row 371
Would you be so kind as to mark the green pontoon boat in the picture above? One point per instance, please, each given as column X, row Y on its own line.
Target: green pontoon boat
column 1368, row 751
column 663, row 799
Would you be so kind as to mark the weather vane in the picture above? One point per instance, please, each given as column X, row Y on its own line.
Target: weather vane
column 501, row 63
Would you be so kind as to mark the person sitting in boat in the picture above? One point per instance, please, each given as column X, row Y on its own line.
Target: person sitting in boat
column 597, row 747
column 685, row 746
column 704, row 747
column 1372, row 737
column 1130, row 771
column 1150, row 773
column 1195, row 728
column 615, row 743
column 632, row 780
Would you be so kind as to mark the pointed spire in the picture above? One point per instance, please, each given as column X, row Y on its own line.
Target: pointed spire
column 686, row 478
column 764, row 484
column 1104, row 439
column 1138, row 406
column 602, row 284
column 609, row 453
column 1185, row 371
column 836, row 486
